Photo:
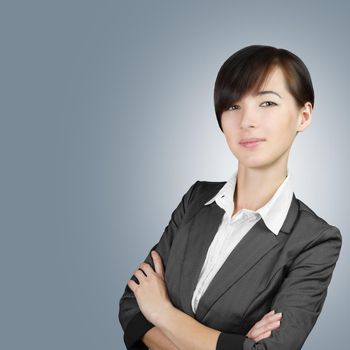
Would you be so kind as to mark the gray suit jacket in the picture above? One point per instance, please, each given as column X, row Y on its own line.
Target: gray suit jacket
column 289, row 273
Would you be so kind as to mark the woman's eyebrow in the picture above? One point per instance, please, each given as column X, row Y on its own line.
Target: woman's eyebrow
column 268, row 92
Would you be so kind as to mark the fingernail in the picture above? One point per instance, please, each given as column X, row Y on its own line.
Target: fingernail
column 279, row 314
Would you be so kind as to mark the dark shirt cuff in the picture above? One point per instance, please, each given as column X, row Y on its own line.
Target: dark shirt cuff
column 135, row 330
column 230, row 341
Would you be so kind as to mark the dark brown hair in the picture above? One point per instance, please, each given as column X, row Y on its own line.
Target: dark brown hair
column 247, row 69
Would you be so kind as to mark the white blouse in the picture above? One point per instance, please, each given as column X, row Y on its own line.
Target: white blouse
column 233, row 229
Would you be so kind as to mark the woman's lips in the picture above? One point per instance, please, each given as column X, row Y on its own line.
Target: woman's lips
column 252, row 143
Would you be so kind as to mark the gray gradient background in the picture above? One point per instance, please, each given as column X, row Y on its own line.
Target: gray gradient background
column 107, row 118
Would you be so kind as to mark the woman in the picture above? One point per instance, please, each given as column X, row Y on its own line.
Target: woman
column 242, row 264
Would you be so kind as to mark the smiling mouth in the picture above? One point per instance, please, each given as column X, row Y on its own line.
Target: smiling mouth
column 251, row 144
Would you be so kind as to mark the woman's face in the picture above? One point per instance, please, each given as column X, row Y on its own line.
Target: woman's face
column 274, row 118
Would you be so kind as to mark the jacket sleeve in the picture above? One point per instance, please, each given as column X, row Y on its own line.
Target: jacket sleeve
column 133, row 323
column 300, row 298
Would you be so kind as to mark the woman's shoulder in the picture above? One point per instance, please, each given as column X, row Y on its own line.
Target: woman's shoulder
column 206, row 185
column 203, row 189
column 311, row 219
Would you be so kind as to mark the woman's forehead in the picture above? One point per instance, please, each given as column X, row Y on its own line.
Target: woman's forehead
column 274, row 79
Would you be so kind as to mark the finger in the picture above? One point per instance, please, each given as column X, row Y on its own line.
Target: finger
column 132, row 285
column 146, row 268
column 140, row 275
column 262, row 336
column 275, row 317
column 258, row 331
column 158, row 263
column 268, row 327
column 267, row 319
column 270, row 313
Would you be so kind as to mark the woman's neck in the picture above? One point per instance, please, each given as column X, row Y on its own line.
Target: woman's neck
column 255, row 187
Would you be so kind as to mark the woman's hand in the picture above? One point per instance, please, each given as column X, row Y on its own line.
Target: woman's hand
column 151, row 292
column 262, row 329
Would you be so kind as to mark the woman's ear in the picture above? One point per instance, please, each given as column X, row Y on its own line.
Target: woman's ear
column 304, row 117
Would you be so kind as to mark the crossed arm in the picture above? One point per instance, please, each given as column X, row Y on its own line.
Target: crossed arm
column 300, row 299
column 178, row 330
column 155, row 339
column 174, row 329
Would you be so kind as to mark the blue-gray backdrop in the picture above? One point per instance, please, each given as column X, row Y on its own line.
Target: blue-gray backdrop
column 107, row 118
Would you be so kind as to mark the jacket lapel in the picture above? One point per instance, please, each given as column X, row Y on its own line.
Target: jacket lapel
column 203, row 228
column 250, row 249
column 258, row 241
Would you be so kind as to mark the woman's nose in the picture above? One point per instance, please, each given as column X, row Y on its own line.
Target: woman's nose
column 249, row 118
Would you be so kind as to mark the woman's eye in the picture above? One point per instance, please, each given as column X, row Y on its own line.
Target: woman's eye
column 270, row 103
